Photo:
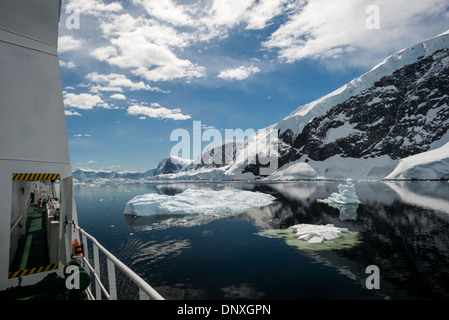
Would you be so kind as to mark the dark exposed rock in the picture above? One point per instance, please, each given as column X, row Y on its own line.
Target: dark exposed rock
column 400, row 115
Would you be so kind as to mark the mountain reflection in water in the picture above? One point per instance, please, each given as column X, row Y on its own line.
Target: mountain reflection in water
column 401, row 227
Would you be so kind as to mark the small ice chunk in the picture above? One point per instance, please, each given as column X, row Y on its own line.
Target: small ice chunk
column 316, row 239
column 306, row 236
column 330, row 235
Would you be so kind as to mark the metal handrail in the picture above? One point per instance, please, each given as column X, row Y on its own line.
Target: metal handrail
column 16, row 223
column 145, row 290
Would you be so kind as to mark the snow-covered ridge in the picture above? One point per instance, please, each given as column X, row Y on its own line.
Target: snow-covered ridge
column 302, row 115
column 171, row 165
column 86, row 174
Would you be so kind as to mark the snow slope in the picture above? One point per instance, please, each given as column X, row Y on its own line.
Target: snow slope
column 302, row 115
column 433, row 164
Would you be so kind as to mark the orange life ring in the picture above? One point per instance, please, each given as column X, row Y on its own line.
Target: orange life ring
column 77, row 250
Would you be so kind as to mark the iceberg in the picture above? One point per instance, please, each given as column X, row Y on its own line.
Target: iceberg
column 317, row 233
column 346, row 195
column 205, row 202
column 308, row 237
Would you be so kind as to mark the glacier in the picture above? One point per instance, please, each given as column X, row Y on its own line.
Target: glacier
column 190, row 201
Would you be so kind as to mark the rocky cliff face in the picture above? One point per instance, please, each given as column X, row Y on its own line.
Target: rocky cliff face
column 171, row 165
column 400, row 115
column 216, row 157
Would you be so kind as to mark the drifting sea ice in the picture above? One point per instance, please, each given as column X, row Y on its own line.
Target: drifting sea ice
column 197, row 202
column 316, row 233
column 320, row 237
column 346, row 195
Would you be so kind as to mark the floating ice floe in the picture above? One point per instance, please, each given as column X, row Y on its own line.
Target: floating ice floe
column 197, row 202
column 314, row 238
column 317, row 233
column 346, row 195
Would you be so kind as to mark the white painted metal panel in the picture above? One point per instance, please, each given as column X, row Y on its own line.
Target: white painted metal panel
column 32, row 119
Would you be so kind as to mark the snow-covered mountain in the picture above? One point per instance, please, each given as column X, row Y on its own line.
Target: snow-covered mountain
column 91, row 175
column 171, row 165
column 365, row 129
column 390, row 123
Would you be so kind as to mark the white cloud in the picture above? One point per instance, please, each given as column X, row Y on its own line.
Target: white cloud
column 228, row 13
column 206, row 127
column 239, row 73
column 72, row 113
column 83, row 101
column 104, row 53
column 149, row 45
column 116, row 82
column 157, row 112
column 179, row 69
column 68, row 43
column 92, row 7
column 146, row 47
column 68, row 65
column 167, row 11
column 154, row 39
column 263, row 11
column 335, row 28
column 214, row 18
column 118, row 96
column 155, row 62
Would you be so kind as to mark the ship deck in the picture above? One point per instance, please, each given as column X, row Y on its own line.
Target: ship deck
column 32, row 252
column 32, row 257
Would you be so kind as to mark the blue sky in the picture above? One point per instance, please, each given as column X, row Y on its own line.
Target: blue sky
column 133, row 71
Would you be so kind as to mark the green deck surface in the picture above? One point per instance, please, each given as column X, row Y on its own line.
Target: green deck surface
column 32, row 254
column 33, row 249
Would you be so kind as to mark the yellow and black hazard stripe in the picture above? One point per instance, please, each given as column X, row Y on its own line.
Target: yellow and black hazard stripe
column 36, row 176
column 27, row 272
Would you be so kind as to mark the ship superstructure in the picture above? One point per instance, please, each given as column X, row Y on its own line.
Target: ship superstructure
column 38, row 219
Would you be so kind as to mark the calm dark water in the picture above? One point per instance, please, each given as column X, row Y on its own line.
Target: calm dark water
column 402, row 228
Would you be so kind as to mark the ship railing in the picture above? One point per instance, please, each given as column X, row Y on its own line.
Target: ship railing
column 146, row 292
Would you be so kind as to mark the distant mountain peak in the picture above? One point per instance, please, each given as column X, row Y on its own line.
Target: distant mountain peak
column 171, row 164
